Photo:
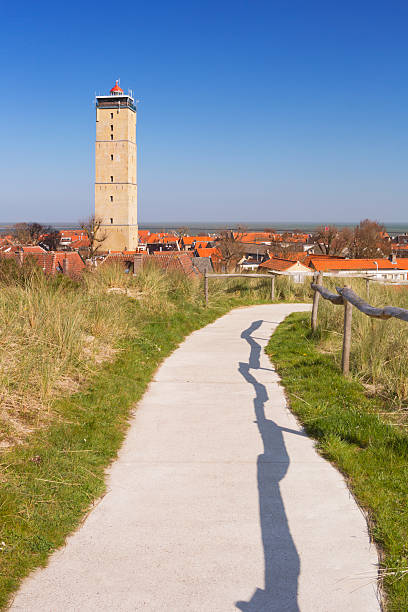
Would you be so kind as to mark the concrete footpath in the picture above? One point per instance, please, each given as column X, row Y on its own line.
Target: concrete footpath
column 218, row 501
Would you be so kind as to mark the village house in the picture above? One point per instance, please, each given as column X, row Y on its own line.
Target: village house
column 293, row 268
column 400, row 249
column 54, row 262
column 390, row 269
column 132, row 261
column 189, row 243
column 162, row 242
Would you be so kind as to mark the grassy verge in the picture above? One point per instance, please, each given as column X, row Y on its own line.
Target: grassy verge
column 378, row 347
column 353, row 432
column 52, row 479
column 51, row 476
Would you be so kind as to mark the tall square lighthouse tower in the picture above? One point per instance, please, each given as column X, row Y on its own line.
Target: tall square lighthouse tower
column 115, row 170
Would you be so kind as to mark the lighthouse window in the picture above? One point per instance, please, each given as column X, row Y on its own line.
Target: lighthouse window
column 111, row 128
column 111, row 115
column 111, row 136
column 111, row 220
column 111, row 179
column 111, row 198
column 112, row 157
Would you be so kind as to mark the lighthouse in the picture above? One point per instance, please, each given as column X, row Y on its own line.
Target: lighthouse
column 115, row 169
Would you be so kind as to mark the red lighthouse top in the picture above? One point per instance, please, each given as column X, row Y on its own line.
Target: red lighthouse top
column 116, row 90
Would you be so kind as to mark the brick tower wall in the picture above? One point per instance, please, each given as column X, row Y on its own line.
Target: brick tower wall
column 115, row 172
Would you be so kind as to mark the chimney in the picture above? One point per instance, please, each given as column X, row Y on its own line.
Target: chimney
column 137, row 262
column 65, row 265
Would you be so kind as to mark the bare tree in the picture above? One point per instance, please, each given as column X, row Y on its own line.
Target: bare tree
column 286, row 236
column 182, row 231
column 51, row 240
column 370, row 240
column 271, row 231
column 21, row 233
column 96, row 235
column 367, row 239
column 30, row 233
column 231, row 248
column 332, row 241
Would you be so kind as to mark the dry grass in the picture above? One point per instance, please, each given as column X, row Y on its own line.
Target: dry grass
column 70, row 409
column 378, row 353
column 285, row 289
column 55, row 332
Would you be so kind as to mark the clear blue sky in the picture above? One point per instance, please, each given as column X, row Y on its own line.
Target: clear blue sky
column 249, row 110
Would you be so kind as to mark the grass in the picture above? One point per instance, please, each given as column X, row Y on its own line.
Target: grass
column 105, row 348
column 378, row 349
column 55, row 332
column 352, row 431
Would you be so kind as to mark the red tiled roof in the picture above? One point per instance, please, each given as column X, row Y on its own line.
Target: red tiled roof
column 207, row 252
column 264, row 237
column 212, row 252
column 125, row 253
column 278, row 264
column 310, row 258
column 175, row 260
column 253, row 237
column 81, row 242
column 323, row 265
column 31, row 249
column 72, row 233
column 162, row 239
column 52, row 262
column 152, row 238
column 190, row 239
column 167, row 260
column 143, row 235
column 75, row 263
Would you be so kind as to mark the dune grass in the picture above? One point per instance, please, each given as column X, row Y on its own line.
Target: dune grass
column 355, row 432
column 378, row 348
column 55, row 332
column 75, row 358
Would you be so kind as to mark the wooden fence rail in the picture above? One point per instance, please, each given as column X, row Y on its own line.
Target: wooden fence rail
column 348, row 298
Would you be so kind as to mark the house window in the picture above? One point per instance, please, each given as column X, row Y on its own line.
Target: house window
column 111, row 220
column 111, row 198
column 111, row 115
column 111, row 136
column 111, row 179
column 111, row 157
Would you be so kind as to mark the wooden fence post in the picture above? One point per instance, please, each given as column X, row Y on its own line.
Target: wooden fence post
column 65, row 265
column 319, row 281
column 345, row 358
column 272, row 287
column 206, row 287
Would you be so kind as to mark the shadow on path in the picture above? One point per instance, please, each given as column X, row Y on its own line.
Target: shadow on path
column 282, row 564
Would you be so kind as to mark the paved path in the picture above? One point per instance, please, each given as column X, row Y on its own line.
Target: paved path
column 218, row 501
